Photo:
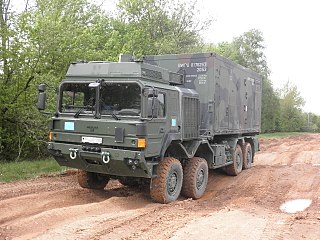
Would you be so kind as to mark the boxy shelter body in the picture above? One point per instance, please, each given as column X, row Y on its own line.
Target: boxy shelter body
column 230, row 94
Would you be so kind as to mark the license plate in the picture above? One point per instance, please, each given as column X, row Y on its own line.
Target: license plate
column 92, row 140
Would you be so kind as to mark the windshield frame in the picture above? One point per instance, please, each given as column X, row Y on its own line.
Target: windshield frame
column 60, row 98
column 97, row 109
column 116, row 111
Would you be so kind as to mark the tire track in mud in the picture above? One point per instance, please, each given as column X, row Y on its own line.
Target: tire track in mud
column 45, row 209
column 57, row 208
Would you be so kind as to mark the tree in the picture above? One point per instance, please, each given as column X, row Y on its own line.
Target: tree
column 270, row 107
column 38, row 46
column 291, row 102
column 158, row 27
column 248, row 50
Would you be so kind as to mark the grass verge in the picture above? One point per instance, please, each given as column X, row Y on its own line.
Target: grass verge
column 13, row 171
column 281, row 135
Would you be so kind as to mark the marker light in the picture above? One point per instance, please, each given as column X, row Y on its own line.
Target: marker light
column 50, row 136
column 142, row 143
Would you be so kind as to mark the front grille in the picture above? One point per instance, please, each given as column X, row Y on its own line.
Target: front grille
column 191, row 119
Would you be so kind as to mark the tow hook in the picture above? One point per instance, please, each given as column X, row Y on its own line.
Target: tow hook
column 73, row 153
column 105, row 157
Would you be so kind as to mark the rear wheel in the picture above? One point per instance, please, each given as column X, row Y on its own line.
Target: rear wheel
column 166, row 186
column 236, row 167
column 92, row 180
column 195, row 178
column 247, row 155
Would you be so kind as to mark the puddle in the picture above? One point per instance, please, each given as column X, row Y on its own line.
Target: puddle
column 294, row 206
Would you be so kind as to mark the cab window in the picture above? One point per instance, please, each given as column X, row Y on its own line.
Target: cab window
column 157, row 106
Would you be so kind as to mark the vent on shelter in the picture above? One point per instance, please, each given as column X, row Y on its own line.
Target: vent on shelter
column 176, row 78
column 151, row 73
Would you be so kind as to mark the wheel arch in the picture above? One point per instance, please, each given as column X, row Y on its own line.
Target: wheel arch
column 205, row 151
column 190, row 149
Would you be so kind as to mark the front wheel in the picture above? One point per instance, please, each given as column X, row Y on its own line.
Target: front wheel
column 92, row 180
column 166, row 186
column 195, row 178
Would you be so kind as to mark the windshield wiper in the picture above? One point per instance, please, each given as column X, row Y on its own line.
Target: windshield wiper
column 129, row 111
column 115, row 116
column 76, row 115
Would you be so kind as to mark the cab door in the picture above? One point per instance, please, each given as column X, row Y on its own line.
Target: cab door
column 162, row 112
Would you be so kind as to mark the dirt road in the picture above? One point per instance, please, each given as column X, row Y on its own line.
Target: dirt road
column 242, row 207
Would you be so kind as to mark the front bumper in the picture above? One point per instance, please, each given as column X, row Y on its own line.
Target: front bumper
column 115, row 162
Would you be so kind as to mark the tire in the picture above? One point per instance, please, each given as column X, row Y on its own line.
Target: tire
column 236, row 167
column 247, row 156
column 195, row 178
column 92, row 180
column 166, row 186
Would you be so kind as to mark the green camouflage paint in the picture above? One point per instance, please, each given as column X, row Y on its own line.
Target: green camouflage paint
column 207, row 102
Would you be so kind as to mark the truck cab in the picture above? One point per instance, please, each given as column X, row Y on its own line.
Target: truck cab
column 116, row 120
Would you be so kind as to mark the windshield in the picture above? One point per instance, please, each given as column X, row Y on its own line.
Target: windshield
column 114, row 98
column 76, row 96
column 120, row 98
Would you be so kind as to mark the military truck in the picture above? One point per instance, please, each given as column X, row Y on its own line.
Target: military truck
column 163, row 120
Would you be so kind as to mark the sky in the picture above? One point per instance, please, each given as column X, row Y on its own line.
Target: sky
column 290, row 29
column 292, row 38
column 291, row 32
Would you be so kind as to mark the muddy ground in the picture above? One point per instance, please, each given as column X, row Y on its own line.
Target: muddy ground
column 242, row 207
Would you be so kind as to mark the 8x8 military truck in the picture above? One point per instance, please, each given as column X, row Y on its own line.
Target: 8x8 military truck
column 164, row 119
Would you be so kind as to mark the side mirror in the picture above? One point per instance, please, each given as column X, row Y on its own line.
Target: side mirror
column 42, row 101
column 42, row 97
column 42, row 87
column 94, row 84
column 151, row 102
column 153, row 107
column 150, row 92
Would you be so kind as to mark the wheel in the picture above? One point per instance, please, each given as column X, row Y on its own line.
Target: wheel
column 92, row 180
column 236, row 167
column 166, row 186
column 247, row 156
column 195, row 178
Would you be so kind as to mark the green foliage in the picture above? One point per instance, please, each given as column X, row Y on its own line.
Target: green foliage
column 27, row 169
column 159, row 26
column 247, row 50
column 312, row 122
column 270, row 107
column 38, row 44
column 280, row 135
column 291, row 116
